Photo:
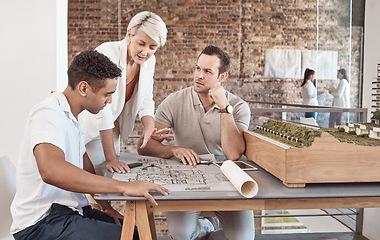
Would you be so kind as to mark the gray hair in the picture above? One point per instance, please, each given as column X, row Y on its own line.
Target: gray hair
column 151, row 24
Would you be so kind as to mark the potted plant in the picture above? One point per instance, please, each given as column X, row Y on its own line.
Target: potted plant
column 376, row 116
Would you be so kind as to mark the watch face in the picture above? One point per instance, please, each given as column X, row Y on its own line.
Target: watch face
column 229, row 109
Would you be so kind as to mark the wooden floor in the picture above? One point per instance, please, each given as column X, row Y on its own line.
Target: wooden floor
column 303, row 236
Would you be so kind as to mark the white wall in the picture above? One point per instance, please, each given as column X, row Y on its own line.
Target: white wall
column 371, row 223
column 371, row 49
column 33, row 47
column 371, row 228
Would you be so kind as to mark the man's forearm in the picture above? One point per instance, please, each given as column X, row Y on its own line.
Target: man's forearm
column 104, row 204
column 232, row 139
column 69, row 177
column 106, row 137
column 147, row 121
column 155, row 149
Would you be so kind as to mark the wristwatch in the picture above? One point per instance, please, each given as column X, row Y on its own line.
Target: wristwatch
column 228, row 109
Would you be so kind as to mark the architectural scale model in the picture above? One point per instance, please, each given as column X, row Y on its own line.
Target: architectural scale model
column 298, row 155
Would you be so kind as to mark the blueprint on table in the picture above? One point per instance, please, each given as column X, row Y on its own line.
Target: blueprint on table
column 175, row 176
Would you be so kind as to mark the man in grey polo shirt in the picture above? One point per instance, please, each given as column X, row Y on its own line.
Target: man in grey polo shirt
column 205, row 118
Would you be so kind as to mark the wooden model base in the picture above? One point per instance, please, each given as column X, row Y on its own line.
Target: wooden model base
column 327, row 161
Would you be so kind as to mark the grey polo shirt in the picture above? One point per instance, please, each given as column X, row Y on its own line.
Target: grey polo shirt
column 192, row 127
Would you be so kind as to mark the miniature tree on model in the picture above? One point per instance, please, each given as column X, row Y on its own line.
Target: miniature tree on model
column 376, row 116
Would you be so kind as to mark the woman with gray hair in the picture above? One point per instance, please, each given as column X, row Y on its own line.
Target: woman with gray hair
column 134, row 55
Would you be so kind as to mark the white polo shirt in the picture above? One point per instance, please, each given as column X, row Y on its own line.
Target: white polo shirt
column 194, row 128
column 50, row 121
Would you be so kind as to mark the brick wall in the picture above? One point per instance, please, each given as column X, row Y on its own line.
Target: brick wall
column 244, row 28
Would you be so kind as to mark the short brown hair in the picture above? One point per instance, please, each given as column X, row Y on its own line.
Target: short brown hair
column 223, row 57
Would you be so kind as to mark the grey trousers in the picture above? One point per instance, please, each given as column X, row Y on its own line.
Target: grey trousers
column 237, row 225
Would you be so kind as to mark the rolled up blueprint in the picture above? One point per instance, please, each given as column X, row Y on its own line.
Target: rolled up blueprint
column 245, row 185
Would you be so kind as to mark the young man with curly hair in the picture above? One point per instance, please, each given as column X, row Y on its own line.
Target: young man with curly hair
column 54, row 172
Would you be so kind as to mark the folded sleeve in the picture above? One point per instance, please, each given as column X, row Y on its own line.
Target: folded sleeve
column 164, row 113
column 45, row 126
column 147, row 107
column 242, row 114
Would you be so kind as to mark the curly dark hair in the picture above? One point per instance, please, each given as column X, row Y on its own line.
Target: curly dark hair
column 223, row 57
column 92, row 67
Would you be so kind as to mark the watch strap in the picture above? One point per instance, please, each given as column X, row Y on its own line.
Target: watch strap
column 224, row 110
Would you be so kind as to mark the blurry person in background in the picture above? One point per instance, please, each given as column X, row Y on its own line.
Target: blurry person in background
column 309, row 92
column 341, row 98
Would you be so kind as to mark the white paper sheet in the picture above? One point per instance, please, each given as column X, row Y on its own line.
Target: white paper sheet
column 282, row 63
column 245, row 185
column 291, row 63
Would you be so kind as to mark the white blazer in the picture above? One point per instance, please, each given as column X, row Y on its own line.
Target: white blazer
column 342, row 94
column 309, row 94
column 141, row 101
